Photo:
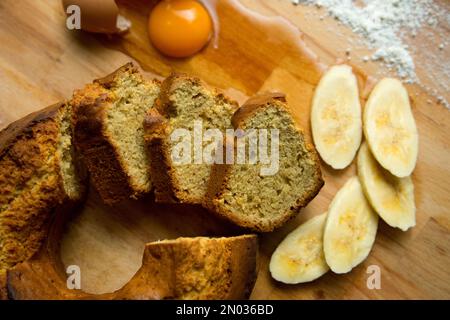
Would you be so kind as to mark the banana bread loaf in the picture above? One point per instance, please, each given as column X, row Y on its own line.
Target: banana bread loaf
column 108, row 121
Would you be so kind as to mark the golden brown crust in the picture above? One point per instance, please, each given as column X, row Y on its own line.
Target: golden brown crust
column 100, row 156
column 219, row 175
column 254, row 104
column 23, row 126
column 30, row 182
column 26, row 146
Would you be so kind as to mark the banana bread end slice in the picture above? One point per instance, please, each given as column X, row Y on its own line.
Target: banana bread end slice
column 240, row 193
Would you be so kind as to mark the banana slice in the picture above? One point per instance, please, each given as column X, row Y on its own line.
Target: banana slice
column 336, row 117
column 390, row 128
column 299, row 257
column 390, row 196
column 350, row 228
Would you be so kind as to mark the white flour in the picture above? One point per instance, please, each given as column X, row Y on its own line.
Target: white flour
column 384, row 23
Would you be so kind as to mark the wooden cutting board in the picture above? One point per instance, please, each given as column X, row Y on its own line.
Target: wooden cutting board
column 41, row 62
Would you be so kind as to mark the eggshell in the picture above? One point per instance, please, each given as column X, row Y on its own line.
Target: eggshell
column 101, row 16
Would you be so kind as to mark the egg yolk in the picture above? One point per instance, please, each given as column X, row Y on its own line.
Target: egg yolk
column 179, row 28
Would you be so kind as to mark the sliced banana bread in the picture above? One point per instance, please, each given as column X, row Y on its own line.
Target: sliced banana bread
column 38, row 172
column 108, row 117
column 263, row 202
column 185, row 103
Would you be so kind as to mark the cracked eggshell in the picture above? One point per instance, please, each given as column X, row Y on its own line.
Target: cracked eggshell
column 100, row 16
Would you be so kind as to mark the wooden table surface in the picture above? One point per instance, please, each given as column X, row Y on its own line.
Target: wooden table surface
column 260, row 48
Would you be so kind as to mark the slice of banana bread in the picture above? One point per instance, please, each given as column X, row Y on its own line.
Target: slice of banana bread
column 38, row 172
column 263, row 202
column 185, row 103
column 108, row 118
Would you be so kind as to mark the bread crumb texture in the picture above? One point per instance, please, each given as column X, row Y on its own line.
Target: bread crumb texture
column 262, row 202
column 37, row 173
column 108, row 117
column 184, row 102
column 132, row 97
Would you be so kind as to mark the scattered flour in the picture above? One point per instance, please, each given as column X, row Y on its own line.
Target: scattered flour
column 383, row 23
column 386, row 26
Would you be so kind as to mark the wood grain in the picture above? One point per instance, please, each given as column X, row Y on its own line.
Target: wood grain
column 42, row 62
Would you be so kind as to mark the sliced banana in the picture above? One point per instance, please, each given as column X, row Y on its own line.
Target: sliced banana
column 299, row 257
column 350, row 228
column 336, row 117
column 390, row 128
column 390, row 196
